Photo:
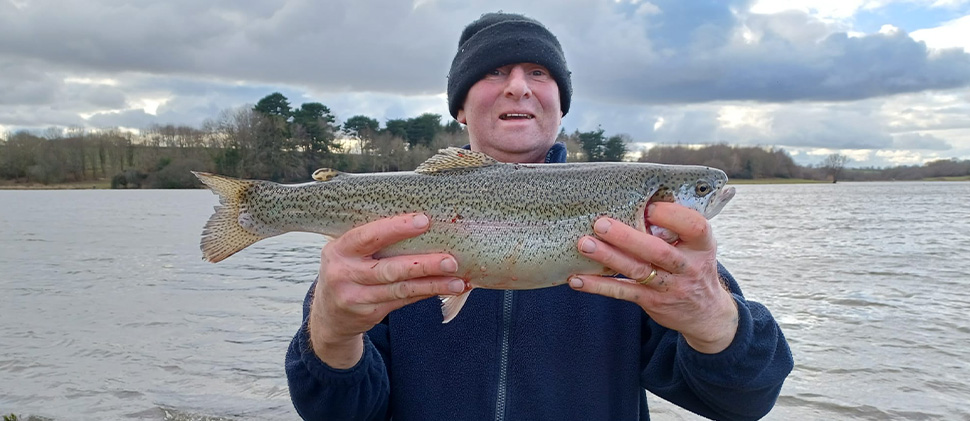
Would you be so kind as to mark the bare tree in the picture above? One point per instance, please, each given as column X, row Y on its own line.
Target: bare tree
column 833, row 165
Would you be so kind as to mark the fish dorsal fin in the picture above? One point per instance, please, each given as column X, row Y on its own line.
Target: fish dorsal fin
column 325, row 174
column 453, row 159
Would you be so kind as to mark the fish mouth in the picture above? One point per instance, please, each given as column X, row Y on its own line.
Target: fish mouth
column 516, row 116
column 717, row 203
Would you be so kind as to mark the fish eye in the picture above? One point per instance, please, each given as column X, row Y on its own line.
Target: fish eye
column 702, row 188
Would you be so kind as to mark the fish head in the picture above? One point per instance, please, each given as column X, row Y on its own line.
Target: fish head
column 702, row 189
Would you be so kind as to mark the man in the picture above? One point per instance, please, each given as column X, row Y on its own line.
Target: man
column 372, row 345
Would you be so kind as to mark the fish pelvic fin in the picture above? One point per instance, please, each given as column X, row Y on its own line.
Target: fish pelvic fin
column 454, row 159
column 452, row 304
column 223, row 236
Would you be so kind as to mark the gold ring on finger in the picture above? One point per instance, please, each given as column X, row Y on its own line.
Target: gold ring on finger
column 646, row 281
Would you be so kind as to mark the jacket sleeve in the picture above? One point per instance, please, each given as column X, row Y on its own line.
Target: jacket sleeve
column 742, row 382
column 320, row 392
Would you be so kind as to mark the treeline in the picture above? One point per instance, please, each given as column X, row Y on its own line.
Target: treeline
column 271, row 140
column 275, row 141
column 943, row 168
column 738, row 162
column 759, row 163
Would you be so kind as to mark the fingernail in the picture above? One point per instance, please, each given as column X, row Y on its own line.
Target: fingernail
column 602, row 226
column 420, row 220
column 457, row 286
column 588, row 246
column 650, row 208
column 449, row 265
column 575, row 282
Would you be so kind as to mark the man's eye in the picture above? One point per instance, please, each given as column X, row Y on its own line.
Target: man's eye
column 538, row 73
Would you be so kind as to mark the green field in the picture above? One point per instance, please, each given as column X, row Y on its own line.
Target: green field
column 80, row 185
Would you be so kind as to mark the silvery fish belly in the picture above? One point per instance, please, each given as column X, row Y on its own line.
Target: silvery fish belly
column 509, row 226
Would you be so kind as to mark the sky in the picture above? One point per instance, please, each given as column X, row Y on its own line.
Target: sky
column 883, row 82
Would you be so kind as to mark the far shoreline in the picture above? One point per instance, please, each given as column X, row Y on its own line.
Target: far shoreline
column 807, row 181
column 75, row 185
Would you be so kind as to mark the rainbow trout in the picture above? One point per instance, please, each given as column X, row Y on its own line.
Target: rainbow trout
column 509, row 226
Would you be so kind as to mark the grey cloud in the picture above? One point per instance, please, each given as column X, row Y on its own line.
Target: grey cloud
column 28, row 117
column 688, row 126
column 154, row 37
column 687, row 52
column 831, row 127
column 23, row 83
column 340, row 45
column 388, row 59
column 809, row 63
column 131, row 118
column 955, row 115
column 190, row 102
column 691, row 24
column 920, row 141
column 805, row 126
column 81, row 96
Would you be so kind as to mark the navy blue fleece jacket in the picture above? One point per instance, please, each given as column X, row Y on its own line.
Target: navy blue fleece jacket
column 545, row 354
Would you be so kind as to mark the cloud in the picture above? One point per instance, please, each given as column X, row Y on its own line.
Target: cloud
column 340, row 45
column 760, row 60
column 926, row 111
column 952, row 34
column 22, row 84
column 819, row 125
column 679, row 52
column 920, row 141
column 793, row 73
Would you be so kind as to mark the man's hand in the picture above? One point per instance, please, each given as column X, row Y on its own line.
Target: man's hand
column 686, row 295
column 355, row 291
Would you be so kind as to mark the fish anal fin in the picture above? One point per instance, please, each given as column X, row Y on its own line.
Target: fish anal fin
column 452, row 304
column 453, row 159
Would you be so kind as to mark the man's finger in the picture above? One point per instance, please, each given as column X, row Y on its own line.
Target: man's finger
column 609, row 256
column 689, row 224
column 621, row 289
column 644, row 246
column 399, row 268
column 370, row 238
column 414, row 289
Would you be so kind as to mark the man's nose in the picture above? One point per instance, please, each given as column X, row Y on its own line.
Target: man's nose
column 518, row 85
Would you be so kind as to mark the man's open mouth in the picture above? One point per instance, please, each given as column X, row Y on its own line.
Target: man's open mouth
column 516, row 116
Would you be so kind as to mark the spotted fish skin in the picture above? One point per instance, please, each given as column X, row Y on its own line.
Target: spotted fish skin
column 509, row 226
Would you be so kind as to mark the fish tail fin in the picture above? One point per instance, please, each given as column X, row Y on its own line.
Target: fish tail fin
column 223, row 235
column 452, row 304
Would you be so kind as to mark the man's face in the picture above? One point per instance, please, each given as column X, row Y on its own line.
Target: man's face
column 513, row 113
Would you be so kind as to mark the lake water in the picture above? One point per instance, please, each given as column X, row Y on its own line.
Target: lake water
column 108, row 312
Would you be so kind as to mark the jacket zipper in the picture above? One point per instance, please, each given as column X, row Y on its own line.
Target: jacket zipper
column 501, row 400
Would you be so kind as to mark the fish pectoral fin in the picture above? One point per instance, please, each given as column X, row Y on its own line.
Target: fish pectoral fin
column 452, row 304
column 453, row 159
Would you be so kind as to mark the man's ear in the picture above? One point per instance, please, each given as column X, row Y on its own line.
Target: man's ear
column 461, row 117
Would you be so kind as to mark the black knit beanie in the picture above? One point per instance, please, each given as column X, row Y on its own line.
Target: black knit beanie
column 499, row 39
